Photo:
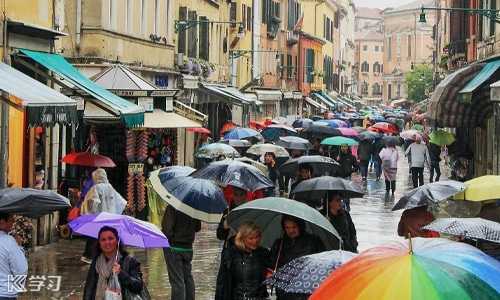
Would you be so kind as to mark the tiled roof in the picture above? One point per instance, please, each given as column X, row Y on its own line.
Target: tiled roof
column 369, row 13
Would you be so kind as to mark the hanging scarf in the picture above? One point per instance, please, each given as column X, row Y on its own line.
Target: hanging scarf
column 104, row 269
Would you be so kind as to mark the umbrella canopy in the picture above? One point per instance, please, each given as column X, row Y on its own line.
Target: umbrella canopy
column 227, row 127
column 320, row 164
column 261, row 149
column 411, row 134
column 441, row 138
column 262, row 167
column 416, row 269
column 31, row 203
column 369, row 136
column 132, row 232
column 215, row 150
column 273, row 132
column 392, row 140
column 418, row 127
column 235, row 173
column 430, row 193
column 385, row 127
column 339, row 140
column 476, row 228
column 239, row 133
column 348, row 132
column 481, row 189
column 333, row 123
column 200, row 130
column 198, row 198
column 304, row 274
column 316, row 188
column 359, row 129
column 302, row 123
column 174, row 171
column 320, row 131
column 294, row 143
column 316, row 118
column 237, row 143
column 267, row 213
column 257, row 125
column 87, row 159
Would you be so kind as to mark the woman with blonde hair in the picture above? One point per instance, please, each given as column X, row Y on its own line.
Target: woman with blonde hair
column 243, row 266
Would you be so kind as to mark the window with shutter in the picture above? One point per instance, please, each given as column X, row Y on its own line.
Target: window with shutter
column 232, row 13
column 282, row 66
column 336, row 19
column 204, row 40
column 309, row 68
column 181, row 40
column 193, row 36
column 289, row 66
column 265, row 8
column 243, row 14
column 249, row 18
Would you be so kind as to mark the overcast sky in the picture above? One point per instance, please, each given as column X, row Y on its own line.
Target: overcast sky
column 381, row 3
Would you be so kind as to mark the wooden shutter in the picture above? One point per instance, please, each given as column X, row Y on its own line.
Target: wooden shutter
column 193, row 36
column 264, row 11
column 232, row 12
column 204, row 40
column 243, row 14
column 249, row 18
column 181, row 40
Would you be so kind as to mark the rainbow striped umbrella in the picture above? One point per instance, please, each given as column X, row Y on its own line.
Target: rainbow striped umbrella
column 418, row 269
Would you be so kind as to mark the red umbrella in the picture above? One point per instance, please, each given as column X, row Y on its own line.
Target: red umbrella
column 200, row 130
column 384, row 127
column 227, row 127
column 257, row 125
column 87, row 159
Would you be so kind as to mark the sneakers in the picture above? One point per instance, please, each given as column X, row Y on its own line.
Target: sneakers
column 86, row 260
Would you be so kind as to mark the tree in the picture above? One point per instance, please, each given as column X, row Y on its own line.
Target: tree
column 419, row 82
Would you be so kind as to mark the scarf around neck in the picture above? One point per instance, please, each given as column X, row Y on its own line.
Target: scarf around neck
column 104, row 269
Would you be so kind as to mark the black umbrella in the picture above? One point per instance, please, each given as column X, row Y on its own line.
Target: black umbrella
column 316, row 118
column 320, row 165
column 476, row 228
column 430, row 193
column 294, row 143
column 316, row 188
column 369, row 136
column 30, row 202
column 392, row 140
column 320, row 131
column 302, row 123
column 235, row 173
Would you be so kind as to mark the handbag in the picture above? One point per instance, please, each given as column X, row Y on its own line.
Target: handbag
column 113, row 289
column 128, row 295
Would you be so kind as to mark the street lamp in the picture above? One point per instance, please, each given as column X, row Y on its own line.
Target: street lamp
column 493, row 14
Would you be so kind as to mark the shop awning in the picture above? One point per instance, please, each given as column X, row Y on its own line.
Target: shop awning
column 131, row 114
column 484, row 75
column 315, row 104
column 228, row 93
column 253, row 98
column 292, row 95
column 269, row 95
column 162, row 119
column 322, row 99
column 43, row 106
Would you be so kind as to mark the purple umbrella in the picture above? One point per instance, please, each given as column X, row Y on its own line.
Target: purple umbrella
column 132, row 232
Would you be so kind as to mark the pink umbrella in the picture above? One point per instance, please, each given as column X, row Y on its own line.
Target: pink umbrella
column 410, row 134
column 348, row 131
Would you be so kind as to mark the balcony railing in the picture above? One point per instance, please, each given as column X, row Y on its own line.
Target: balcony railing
column 292, row 38
column 457, row 48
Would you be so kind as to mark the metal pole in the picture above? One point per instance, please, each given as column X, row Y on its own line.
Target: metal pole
column 4, row 131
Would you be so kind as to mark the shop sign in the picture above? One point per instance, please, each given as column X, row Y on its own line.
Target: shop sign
column 163, row 93
column 135, row 168
column 146, row 102
column 126, row 93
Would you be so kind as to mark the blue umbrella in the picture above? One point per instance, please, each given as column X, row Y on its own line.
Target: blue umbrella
column 273, row 132
column 174, row 171
column 294, row 143
column 302, row 123
column 198, row 198
column 334, row 123
column 240, row 133
column 235, row 173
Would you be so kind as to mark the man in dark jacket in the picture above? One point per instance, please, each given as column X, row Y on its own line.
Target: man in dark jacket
column 435, row 158
column 180, row 230
column 378, row 145
column 296, row 242
column 365, row 150
column 347, row 161
column 341, row 220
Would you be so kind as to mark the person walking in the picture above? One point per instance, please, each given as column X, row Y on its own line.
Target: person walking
column 223, row 230
column 419, row 157
column 305, row 172
column 348, row 163
column 101, row 197
column 274, row 175
column 378, row 145
column 180, row 229
column 13, row 262
column 389, row 160
column 435, row 159
column 243, row 267
column 365, row 150
column 112, row 259
column 296, row 242
column 342, row 222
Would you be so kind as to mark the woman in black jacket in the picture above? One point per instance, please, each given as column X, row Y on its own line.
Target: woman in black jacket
column 111, row 259
column 243, row 267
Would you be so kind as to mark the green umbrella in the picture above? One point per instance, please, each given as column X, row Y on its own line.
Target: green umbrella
column 418, row 127
column 441, row 137
column 267, row 213
column 339, row 140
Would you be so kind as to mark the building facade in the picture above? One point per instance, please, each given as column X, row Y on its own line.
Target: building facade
column 370, row 58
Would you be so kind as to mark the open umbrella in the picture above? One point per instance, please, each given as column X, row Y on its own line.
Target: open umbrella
column 239, row 133
column 237, row 143
column 235, row 173
column 31, row 203
column 476, row 228
column 316, row 130
column 316, row 188
column 200, row 130
column 415, row 269
column 227, row 127
column 87, row 159
column 441, row 138
column 418, row 127
column 348, row 132
column 410, row 134
column 198, row 198
column 132, row 232
column 392, row 140
column 174, row 171
column 430, row 193
column 259, row 150
column 320, row 165
column 302, row 123
column 267, row 213
column 273, row 132
column 384, row 127
column 294, row 143
column 338, row 141
column 369, row 136
column 481, row 189
column 262, row 167
column 215, row 150
column 304, row 274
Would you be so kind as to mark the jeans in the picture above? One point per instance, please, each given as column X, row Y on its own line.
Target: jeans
column 390, row 185
column 363, row 167
column 435, row 167
column 417, row 176
column 179, row 274
column 378, row 168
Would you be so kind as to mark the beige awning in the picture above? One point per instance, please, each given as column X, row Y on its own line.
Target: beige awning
column 162, row 119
